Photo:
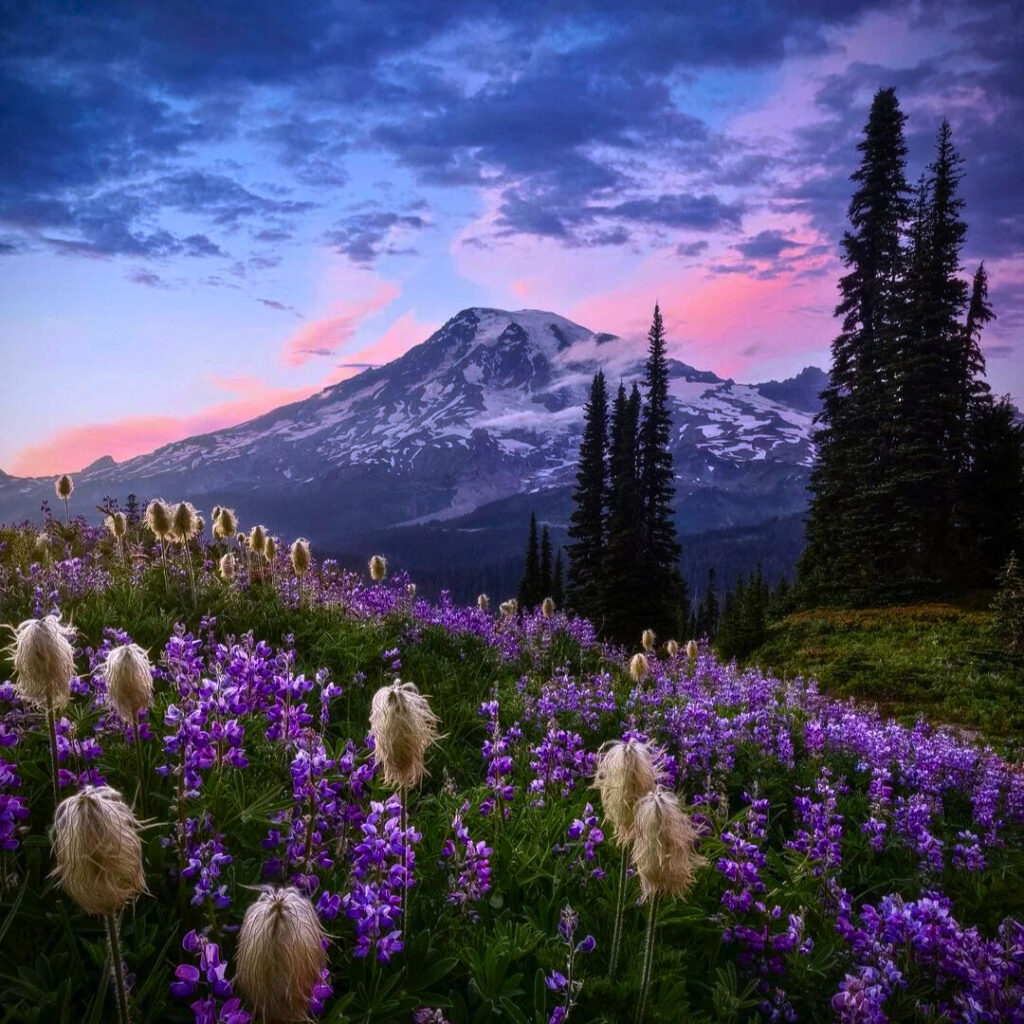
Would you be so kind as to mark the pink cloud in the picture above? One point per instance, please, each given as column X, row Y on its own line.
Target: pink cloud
column 327, row 335
column 75, row 447
column 401, row 336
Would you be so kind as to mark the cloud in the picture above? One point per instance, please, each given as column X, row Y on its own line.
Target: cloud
column 327, row 335
column 766, row 245
column 364, row 236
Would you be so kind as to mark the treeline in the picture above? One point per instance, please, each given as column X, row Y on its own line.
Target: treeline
column 542, row 576
column 918, row 488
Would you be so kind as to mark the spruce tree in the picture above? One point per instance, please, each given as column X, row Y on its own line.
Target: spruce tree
column 529, row 586
column 659, row 544
column 545, row 564
column 624, row 580
column 707, row 617
column 848, row 556
column 587, row 524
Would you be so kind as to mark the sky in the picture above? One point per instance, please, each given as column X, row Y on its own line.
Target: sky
column 210, row 209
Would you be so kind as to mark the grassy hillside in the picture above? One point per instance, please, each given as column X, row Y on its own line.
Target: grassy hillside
column 936, row 660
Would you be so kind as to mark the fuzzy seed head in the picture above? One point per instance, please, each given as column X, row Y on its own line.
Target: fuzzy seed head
column 509, row 608
column 483, row 602
column 647, row 639
column 625, row 773
column 692, row 650
column 215, row 514
column 280, row 956
column 270, row 549
column 98, row 852
column 258, row 539
column 402, row 726
column 158, row 518
column 227, row 567
column 410, row 589
column 129, row 677
column 547, row 607
column 41, row 547
column 117, row 524
column 639, row 667
column 225, row 523
column 64, row 485
column 378, row 568
column 300, row 556
column 184, row 522
column 43, row 660
column 665, row 845
column 671, row 648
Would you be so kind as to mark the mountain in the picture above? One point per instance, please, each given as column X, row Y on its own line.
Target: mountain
column 439, row 455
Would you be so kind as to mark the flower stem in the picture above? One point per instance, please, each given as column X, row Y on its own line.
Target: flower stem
column 142, row 764
column 620, row 906
column 118, row 970
column 645, row 977
column 53, row 751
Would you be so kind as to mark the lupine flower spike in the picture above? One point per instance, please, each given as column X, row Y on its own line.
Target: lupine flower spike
column 99, row 864
column 626, row 772
column 666, row 859
column 64, row 485
column 280, row 956
column 44, row 664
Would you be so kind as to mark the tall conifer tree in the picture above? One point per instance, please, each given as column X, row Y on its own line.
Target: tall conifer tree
column 659, row 544
column 851, row 510
column 529, row 586
column 587, row 524
column 545, row 564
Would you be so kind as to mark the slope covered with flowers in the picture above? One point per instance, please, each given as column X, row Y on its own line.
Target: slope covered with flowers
column 854, row 869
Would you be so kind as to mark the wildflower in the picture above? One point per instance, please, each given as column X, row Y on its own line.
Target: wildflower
column 378, row 568
column 227, row 567
column 402, row 726
column 270, row 549
column 98, row 852
column 258, row 539
column 225, row 523
column 547, row 607
column 625, row 773
column 117, row 524
column 692, row 650
column 280, row 955
column 483, row 602
column 129, row 677
column 44, row 661
column 64, row 485
column 410, row 589
column 664, row 846
column 639, row 667
column 647, row 640
column 509, row 608
column 184, row 522
column 300, row 556
column 671, row 648
column 158, row 519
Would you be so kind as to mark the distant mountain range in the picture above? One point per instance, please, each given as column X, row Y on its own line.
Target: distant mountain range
column 439, row 456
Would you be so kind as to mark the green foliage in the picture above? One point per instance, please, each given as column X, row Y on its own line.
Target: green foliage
column 1008, row 606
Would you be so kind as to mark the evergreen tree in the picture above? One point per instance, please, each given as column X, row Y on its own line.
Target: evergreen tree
column 707, row 616
column 1008, row 606
column 850, row 516
column 558, row 584
column 624, row 578
column 931, row 385
column 131, row 511
column 529, row 586
column 977, row 393
column 587, row 524
column 659, row 545
column 545, row 564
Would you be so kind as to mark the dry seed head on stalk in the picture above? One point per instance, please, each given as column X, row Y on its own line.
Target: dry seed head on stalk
column 410, row 589
column 158, row 518
column 129, row 677
column 378, row 568
column 43, row 660
column 98, row 852
column 225, row 523
column 227, row 567
column 692, row 650
column 626, row 771
column 639, row 667
column 117, row 524
column 300, row 556
column 509, row 608
column 258, row 539
column 647, row 639
column 547, row 607
column 184, row 522
column 41, row 547
column 665, row 845
column 270, row 549
column 280, row 956
column 483, row 602
column 215, row 514
column 671, row 648
column 402, row 726
column 64, row 485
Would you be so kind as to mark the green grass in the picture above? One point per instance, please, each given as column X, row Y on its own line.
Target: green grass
column 936, row 660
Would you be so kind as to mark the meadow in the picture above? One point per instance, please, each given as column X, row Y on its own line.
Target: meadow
column 849, row 867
